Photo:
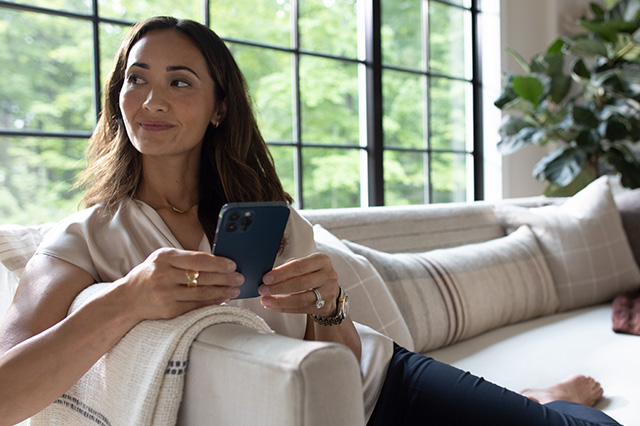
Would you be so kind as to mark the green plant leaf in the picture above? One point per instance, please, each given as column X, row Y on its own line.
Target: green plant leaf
column 588, row 47
column 598, row 11
column 523, row 63
column 561, row 166
column 584, row 178
column 581, row 70
column 626, row 10
column 507, row 95
column 629, row 76
column 560, row 88
column 588, row 140
column 512, row 139
column 609, row 30
column 615, row 130
column 556, row 46
column 629, row 169
column 627, row 49
column 529, row 88
column 583, row 116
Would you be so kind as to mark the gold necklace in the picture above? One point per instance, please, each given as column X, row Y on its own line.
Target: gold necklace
column 177, row 210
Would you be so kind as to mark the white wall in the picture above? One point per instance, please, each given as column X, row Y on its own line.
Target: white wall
column 529, row 27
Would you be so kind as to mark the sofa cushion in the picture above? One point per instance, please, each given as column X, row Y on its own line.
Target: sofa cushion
column 411, row 229
column 370, row 301
column 448, row 295
column 584, row 243
column 17, row 245
column 628, row 204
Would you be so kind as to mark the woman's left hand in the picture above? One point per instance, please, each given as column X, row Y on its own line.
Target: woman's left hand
column 289, row 287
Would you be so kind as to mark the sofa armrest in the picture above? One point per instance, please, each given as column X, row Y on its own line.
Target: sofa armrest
column 239, row 376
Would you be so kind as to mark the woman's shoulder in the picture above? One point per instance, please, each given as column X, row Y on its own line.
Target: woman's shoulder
column 81, row 221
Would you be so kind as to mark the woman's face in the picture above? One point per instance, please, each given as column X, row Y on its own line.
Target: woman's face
column 167, row 98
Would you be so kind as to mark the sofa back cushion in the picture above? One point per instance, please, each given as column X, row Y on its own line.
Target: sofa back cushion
column 452, row 294
column 17, row 245
column 371, row 302
column 411, row 229
column 628, row 203
column 584, row 244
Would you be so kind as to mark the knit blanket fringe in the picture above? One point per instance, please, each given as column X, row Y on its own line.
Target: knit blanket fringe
column 141, row 379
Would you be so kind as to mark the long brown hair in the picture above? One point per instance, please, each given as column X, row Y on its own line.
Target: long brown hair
column 235, row 162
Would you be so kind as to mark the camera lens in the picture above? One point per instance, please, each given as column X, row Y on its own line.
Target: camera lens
column 232, row 227
column 233, row 217
column 245, row 222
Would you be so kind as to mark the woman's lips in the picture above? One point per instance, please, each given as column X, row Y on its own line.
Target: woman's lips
column 155, row 126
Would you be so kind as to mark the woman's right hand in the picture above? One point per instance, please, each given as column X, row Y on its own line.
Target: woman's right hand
column 157, row 288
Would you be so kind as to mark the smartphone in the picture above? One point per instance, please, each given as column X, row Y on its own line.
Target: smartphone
column 250, row 234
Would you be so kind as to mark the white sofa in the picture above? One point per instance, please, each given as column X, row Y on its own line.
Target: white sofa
column 519, row 334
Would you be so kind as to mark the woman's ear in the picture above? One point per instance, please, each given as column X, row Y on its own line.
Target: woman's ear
column 219, row 114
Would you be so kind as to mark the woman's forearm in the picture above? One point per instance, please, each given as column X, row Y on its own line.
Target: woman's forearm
column 344, row 333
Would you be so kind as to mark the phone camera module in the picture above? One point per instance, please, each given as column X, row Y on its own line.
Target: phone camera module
column 245, row 222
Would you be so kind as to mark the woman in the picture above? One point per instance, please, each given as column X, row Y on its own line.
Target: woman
column 178, row 139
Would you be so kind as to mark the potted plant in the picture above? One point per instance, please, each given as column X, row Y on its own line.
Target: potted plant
column 582, row 93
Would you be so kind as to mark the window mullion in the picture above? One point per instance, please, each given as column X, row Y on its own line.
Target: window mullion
column 297, row 105
column 374, row 109
column 97, row 84
column 478, row 130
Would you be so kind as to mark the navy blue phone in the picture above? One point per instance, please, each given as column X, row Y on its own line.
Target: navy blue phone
column 250, row 234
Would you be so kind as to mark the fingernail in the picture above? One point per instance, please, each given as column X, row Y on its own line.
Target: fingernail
column 264, row 290
column 267, row 279
column 231, row 267
column 235, row 293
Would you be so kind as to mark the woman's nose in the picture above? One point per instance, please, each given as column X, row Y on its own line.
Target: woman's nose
column 156, row 101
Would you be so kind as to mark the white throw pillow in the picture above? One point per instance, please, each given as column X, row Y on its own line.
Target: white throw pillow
column 371, row 303
column 584, row 244
column 453, row 294
column 17, row 246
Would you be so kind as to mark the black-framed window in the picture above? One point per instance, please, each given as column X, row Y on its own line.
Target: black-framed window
column 363, row 102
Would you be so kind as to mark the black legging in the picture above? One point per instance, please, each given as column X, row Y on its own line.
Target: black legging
column 419, row 390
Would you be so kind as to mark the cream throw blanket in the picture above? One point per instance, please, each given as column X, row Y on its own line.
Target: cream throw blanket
column 140, row 380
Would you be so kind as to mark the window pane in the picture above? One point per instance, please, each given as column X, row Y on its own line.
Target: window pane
column 329, row 26
column 264, row 21
column 449, row 177
column 449, row 40
column 284, row 157
column 404, row 109
column 404, row 178
column 268, row 73
column 464, row 3
column 402, row 34
column 450, row 106
column 489, row 6
column 81, row 6
column 110, row 37
column 36, row 178
column 47, row 66
column 134, row 10
column 331, row 178
column 329, row 97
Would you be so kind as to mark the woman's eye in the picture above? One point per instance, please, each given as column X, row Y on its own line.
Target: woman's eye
column 180, row 83
column 134, row 79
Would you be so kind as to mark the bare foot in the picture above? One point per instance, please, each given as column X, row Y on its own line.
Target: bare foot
column 581, row 389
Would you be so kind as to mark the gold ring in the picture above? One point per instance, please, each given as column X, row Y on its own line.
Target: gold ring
column 192, row 278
